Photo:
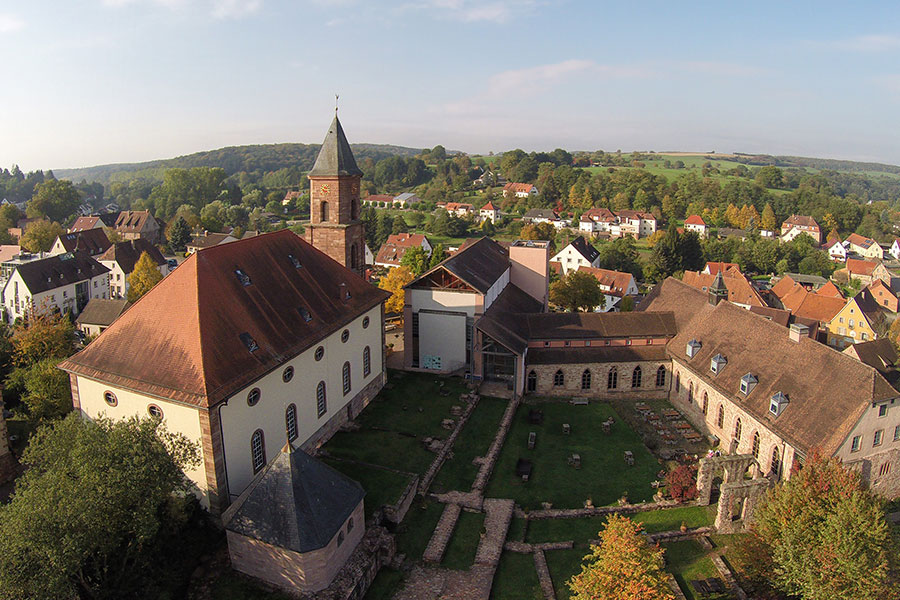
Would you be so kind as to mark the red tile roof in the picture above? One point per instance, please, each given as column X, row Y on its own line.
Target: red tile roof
column 84, row 223
column 132, row 221
column 92, row 241
column 858, row 240
column 694, row 220
column 181, row 340
column 393, row 249
column 616, row 281
column 602, row 215
column 714, row 267
column 861, row 267
column 489, row 206
column 800, row 221
column 126, row 254
column 518, row 187
column 740, row 290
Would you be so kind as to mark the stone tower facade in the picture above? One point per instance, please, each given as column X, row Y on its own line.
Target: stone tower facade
column 335, row 227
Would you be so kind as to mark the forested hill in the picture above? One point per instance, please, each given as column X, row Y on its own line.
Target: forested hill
column 234, row 159
column 815, row 163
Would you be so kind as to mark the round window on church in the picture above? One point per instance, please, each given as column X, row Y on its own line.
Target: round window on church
column 365, row 322
column 253, row 397
column 110, row 398
column 155, row 411
column 288, row 374
column 345, row 335
column 320, row 352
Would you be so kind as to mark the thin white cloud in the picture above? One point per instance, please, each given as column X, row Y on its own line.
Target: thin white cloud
column 473, row 11
column 220, row 9
column 10, row 23
column 869, row 43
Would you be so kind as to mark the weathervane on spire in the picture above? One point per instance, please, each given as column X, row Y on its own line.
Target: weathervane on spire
column 336, row 103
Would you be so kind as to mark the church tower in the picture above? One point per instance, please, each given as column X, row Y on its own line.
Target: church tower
column 335, row 227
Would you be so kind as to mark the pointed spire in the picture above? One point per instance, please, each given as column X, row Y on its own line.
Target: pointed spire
column 718, row 291
column 335, row 157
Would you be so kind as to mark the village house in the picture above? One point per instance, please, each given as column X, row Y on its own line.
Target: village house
column 544, row 215
column 120, row 259
column 636, row 223
column 489, row 212
column 866, row 271
column 392, row 250
column 92, row 241
column 579, row 253
column 879, row 354
column 864, row 247
column 799, row 224
column 837, row 251
column 406, row 199
column 100, row 314
column 519, row 190
column 615, row 286
column 379, row 200
column 798, row 295
column 740, row 290
column 696, row 224
column 64, row 283
column 599, row 221
column 134, row 224
column 94, row 222
column 713, row 267
column 208, row 240
column 459, row 209
column 290, row 197
column 894, row 250
column 752, row 385
column 861, row 320
column 882, row 295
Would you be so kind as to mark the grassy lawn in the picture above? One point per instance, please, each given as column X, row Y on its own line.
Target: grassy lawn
column 385, row 448
column 603, row 476
column 382, row 486
column 385, row 584
column 563, row 564
column 458, row 473
column 586, row 529
column 234, row 586
column 415, row 531
column 688, row 560
column 516, row 531
column 516, row 578
column 460, row 553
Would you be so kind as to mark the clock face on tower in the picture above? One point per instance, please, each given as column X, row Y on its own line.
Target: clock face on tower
column 324, row 189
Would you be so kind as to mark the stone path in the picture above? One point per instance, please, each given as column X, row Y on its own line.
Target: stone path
column 437, row 545
column 676, row 589
column 577, row 513
column 490, row 459
column 540, row 564
column 728, row 576
column 498, row 515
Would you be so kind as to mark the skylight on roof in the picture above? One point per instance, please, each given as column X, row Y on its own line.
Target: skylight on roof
column 242, row 277
column 295, row 261
column 248, row 340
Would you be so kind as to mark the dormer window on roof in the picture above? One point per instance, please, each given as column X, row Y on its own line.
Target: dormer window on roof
column 777, row 403
column 717, row 363
column 295, row 261
column 248, row 340
column 242, row 277
column 305, row 314
column 748, row 382
column 693, row 347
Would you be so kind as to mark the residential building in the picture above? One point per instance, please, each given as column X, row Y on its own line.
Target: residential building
column 379, row 200
column 864, row 247
column 895, row 249
column 599, row 220
column 85, row 223
column 753, row 386
column 579, row 253
column 444, row 305
column 879, row 354
column 636, row 223
column 713, row 267
column 544, row 215
column 93, row 241
column 861, row 320
column 837, row 250
column 727, row 232
column 335, row 226
column 882, row 294
column 459, row 209
column 696, row 224
column 406, row 199
column 208, row 240
column 391, row 252
column 519, row 190
column 120, row 259
column 615, row 285
column 798, row 224
column 370, row 256
column 739, row 289
column 291, row 196
column 253, row 341
column 64, row 283
column 867, row 271
column 819, row 306
column 489, row 212
column 99, row 314
column 134, row 224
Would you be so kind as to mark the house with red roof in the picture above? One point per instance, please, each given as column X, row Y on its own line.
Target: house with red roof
column 799, row 224
column 696, row 224
column 519, row 190
column 864, row 247
column 391, row 252
column 867, row 271
column 713, row 267
column 489, row 212
column 615, row 285
column 459, row 209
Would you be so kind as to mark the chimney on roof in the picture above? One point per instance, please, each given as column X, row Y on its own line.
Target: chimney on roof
column 798, row 331
column 718, row 291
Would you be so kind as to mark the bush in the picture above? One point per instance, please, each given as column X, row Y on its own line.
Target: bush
column 682, row 483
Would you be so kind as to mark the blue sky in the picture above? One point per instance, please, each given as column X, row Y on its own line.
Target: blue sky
column 96, row 81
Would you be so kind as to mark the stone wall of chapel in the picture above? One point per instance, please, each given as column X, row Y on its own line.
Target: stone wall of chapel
column 707, row 423
column 572, row 373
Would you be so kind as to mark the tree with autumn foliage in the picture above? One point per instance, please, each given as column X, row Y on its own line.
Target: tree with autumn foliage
column 823, row 536
column 145, row 275
column 394, row 282
column 624, row 566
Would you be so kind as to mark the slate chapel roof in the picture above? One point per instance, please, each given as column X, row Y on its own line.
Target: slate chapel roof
column 335, row 157
column 296, row 502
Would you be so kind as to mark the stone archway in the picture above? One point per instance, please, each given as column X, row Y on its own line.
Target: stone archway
column 738, row 496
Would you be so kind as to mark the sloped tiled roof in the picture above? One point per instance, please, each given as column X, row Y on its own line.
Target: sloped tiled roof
column 800, row 370
column 191, row 321
column 480, row 264
column 126, row 254
column 858, row 240
column 695, row 220
column 55, row 271
column 799, row 221
column 714, row 267
column 586, row 250
column 541, row 213
column 101, row 311
column 518, row 187
column 740, row 290
column 132, row 221
column 590, row 325
column 489, row 206
column 335, row 156
column 393, row 249
column 685, row 302
column 84, row 224
column 830, row 290
column 296, row 502
column 603, row 215
column 857, row 266
column 616, row 281
column 92, row 241
column 208, row 240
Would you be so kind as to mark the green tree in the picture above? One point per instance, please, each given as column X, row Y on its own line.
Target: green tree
column 145, row 275
column 399, row 225
column 382, row 229
column 40, row 235
column 623, row 566
column 56, row 199
column 179, row 235
column 768, row 218
column 770, row 177
column 826, row 536
column 416, row 260
column 90, row 508
column 577, row 290
column 48, row 394
column 438, row 255
column 42, row 336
